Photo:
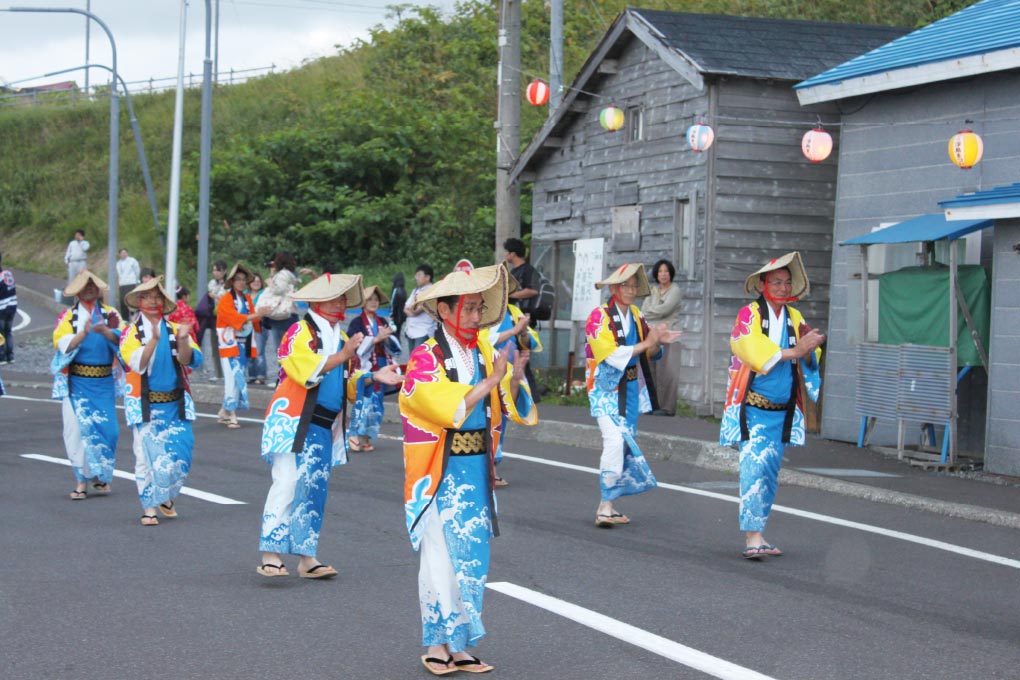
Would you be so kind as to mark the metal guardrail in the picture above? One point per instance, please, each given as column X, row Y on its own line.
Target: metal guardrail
column 73, row 96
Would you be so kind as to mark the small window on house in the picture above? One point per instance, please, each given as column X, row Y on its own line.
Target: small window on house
column 557, row 206
column 635, row 122
column 683, row 237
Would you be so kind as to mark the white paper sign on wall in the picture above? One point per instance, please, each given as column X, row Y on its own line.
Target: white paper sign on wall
column 588, row 256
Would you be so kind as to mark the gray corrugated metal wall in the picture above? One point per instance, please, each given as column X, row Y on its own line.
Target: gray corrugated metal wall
column 894, row 165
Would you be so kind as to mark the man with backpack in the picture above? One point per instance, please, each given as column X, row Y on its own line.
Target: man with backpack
column 526, row 297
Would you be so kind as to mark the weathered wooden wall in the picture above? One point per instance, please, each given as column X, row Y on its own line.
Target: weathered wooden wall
column 765, row 198
column 769, row 200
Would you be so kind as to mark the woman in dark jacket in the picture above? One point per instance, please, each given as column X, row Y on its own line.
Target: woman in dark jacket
column 398, row 298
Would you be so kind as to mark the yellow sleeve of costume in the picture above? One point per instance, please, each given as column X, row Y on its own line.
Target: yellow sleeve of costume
column 800, row 327
column 129, row 344
column 600, row 338
column 298, row 357
column 63, row 328
column 508, row 404
column 534, row 343
column 748, row 343
column 428, row 394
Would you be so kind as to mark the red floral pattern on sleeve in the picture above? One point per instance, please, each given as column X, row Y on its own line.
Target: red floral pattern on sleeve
column 742, row 326
column 421, row 367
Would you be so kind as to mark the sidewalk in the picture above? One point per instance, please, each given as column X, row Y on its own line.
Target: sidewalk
column 835, row 467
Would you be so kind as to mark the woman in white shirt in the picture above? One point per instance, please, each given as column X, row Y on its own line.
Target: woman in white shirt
column 662, row 306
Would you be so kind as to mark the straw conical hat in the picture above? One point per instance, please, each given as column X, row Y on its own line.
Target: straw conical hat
column 801, row 285
column 490, row 282
column 512, row 286
column 81, row 280
column 239, row 268
column 623, row 273
column 155, row 283
column 331, row 286
column 384, row 299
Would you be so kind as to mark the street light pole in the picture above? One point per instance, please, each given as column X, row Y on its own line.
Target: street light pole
column 111, row 245
column 139, row 144
column 175, row 159
column 205, row 154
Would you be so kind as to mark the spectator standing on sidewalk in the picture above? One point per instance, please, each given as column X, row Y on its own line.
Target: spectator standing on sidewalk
column 129, row 275
column 774, row 352
column 419, row 326
column 398, row 298
column 74, row 256
column 8, row 312
column 662, row 306
column 280, row 308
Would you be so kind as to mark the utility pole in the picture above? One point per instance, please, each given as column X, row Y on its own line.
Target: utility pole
column 508, row 124
column 216, row 53
column 555, row 55
column 175, row 158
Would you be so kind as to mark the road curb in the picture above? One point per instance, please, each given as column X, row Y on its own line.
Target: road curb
column 702, row 454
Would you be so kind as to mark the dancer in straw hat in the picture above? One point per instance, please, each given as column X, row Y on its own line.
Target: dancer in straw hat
column 158, row 404
column 86, row 372
column 303, row 437
column 773, row 351
column 236, row 321
column 379, row 347
column 452, row 401
column 620, row 347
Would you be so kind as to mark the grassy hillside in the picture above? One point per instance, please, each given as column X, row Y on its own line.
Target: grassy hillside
column 384, row 153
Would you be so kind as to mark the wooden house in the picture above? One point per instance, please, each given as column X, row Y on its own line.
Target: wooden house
column 902, row 103
column 718, row 214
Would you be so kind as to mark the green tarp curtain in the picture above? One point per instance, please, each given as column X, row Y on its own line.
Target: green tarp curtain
column 913, row 307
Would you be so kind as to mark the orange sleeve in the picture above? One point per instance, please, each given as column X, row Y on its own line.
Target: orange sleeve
column 227, row 314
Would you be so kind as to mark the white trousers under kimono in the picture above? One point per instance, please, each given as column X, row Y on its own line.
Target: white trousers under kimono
column 73, row 441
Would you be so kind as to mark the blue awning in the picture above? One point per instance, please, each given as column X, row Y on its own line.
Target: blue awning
column 933, row 227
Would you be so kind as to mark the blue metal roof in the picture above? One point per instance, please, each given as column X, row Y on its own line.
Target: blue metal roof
column 986, row 26
column 924, row 228
column 1005, row 194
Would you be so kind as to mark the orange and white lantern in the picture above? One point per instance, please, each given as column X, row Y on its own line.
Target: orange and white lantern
column 816, row 145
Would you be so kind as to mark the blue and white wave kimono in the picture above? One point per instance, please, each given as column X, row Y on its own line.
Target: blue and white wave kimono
column 623, row 468
column 163, row 443
column 367, row 414
column 88, row 380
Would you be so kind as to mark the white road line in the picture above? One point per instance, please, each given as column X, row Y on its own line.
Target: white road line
column 688, row 656
column 889, row 533
column 27, row 320
column 187, row 491
column 869, row 528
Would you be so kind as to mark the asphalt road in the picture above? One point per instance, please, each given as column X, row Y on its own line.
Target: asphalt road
column 87, row 592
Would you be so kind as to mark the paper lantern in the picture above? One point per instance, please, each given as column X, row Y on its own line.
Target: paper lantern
column 700, row 136
column 966, row 148
column 537, row 92
column 611, row 118
column 816, row 145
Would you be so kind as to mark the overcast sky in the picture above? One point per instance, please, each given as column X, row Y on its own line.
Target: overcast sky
column 253, row 34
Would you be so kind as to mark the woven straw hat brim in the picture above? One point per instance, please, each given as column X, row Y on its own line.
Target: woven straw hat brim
column 384, row 299
column 238, row 268
column 511, row 282
column 623, row 273
column 132, row 297
column 81, row 280
column 331, row 286
column 792, row 261
column 490, row 282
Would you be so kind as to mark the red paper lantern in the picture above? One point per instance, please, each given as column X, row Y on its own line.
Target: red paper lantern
column 966, row 149
column 816, row 145
column 537, row 92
